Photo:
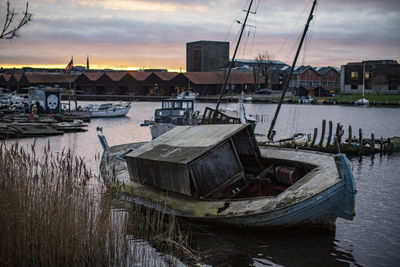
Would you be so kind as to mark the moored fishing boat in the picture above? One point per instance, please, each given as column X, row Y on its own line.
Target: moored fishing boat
column 218, row 174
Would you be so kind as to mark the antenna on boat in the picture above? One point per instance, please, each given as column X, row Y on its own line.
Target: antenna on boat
column 271, row 131
column 232, row 62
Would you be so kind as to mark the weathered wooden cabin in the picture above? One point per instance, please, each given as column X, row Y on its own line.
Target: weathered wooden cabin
column 195, row 161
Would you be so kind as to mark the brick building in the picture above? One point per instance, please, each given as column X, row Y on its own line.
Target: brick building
column 374, row 76
column 321, row 81
column 207, row 56
column 135, row 83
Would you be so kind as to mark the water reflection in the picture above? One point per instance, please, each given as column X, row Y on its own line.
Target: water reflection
column 221, row 246
column 372, row 239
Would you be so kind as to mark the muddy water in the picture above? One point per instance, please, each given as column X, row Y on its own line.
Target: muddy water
column 371, row 239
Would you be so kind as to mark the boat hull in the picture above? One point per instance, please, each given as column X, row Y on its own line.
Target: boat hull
column 323, row 204
column 120, row 112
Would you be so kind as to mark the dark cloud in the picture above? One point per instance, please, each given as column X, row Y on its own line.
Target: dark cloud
column 122, row 32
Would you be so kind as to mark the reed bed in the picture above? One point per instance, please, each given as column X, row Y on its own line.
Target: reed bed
column 56, row 212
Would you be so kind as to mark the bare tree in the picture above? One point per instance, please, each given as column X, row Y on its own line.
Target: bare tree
column 264, row 67
column 11, row 26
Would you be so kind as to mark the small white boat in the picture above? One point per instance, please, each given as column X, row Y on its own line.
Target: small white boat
column 108, row 110
column 187, row 95
column 362, row 102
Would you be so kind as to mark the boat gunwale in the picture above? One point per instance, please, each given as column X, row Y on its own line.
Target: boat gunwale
column 213, row 204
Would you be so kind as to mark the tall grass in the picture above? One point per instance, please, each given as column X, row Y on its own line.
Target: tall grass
column 56, row 212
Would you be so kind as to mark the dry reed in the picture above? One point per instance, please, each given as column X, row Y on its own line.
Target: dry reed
column 55, row 212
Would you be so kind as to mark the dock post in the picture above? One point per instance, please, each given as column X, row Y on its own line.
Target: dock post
column 322, row 133
column 314, row 137
column 381, row 145
column 350, row 140
column 360, row 140
column 340, row 133
column 373, row 140
column 337, row 130
column 328, row 142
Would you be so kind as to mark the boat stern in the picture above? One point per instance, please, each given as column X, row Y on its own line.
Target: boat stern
column 345, row 173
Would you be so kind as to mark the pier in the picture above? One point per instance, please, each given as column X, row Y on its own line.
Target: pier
column 335, row 142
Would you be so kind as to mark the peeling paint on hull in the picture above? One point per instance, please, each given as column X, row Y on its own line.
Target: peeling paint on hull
column 325, row 193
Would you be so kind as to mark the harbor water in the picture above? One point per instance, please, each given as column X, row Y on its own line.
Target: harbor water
column 371, row 239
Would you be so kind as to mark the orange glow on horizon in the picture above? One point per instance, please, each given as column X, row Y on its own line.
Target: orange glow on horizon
column 92, row 67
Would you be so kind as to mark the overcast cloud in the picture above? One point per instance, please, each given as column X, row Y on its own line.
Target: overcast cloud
column 153, row 33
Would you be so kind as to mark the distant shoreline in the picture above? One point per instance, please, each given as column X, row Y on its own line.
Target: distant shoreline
column 228, row 99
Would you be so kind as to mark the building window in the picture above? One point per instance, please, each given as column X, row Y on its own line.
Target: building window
column 354, row 86
column 354, row 74
column 367, row 75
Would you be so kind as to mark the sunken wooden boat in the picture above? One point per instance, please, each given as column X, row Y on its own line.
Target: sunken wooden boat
column 218, row 174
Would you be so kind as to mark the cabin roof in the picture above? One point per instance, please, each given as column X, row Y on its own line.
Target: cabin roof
column 193, row 160
column 195, row 138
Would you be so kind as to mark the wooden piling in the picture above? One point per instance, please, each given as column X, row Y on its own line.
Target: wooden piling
column 328, row 141
column 360, row 140
column 372, row 140
column 322, row 133
column 314, row 137
column 337, row 131
column 350, row 140
column 381, row 145
column 307, row 140
column 340, row 133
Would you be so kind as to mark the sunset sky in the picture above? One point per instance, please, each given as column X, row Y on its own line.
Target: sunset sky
column 153, row 33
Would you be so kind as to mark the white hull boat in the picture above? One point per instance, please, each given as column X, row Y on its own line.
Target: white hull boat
column 108, row 110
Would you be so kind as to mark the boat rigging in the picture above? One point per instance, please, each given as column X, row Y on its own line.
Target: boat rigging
column 271, row 131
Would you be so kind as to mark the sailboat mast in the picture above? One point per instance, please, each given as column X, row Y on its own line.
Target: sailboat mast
column 231, row 64
column 271, row 131
column 363, row 90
